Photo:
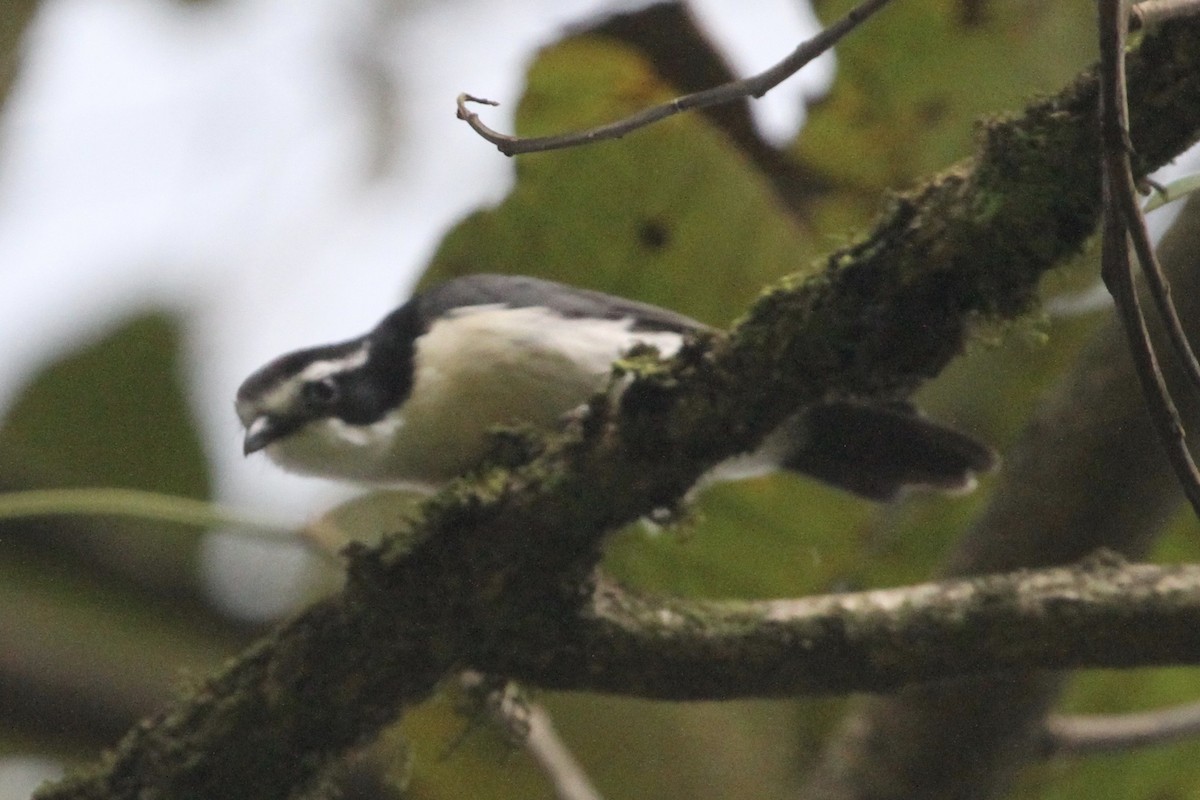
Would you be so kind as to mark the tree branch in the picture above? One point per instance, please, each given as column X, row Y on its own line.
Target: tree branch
column 1087, row 472
column 1089, row 734
column 1123, row 220
column 754, row 86
column 512, row 551
column 1099, row 614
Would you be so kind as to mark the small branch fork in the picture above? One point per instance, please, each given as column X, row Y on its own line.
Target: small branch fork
column 754, row 86
column 1124, row 222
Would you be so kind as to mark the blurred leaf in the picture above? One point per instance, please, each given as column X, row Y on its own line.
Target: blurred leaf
column 914, row 79
column 14, row 22
column 89, row 650
column 673, row 214
column 453, row 756
column 638, row 748
column 628, row 747
column 364, row 518
column 112, row 414
column 84, row 659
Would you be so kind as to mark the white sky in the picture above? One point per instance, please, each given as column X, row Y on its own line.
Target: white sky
column 219, row 159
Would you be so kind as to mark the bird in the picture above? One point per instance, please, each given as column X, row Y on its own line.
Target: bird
column 412, row 403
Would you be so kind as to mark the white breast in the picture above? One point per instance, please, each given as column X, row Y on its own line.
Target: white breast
column 481, row 367
column 489, row 366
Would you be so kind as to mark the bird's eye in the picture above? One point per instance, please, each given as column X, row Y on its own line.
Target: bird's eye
column 321, row 393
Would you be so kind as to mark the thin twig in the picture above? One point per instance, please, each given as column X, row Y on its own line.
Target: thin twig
column 1089, row 734
column 1159, row 286
column 104, row 501
column 1122, row 215
column 1155, row 12
column 135, row 503
column 754, row 86
column 565, row 773
column 526, row 723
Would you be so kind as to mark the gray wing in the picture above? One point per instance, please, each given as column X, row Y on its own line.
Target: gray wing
column 519, row 291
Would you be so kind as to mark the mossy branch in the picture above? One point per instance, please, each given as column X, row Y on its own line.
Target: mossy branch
column 489, row 561
column 1101, row 613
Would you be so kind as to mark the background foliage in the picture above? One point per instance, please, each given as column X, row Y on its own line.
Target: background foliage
column 104, row 617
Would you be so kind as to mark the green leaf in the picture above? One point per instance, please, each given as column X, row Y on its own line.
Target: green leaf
column 673, row 214
column 111, row 414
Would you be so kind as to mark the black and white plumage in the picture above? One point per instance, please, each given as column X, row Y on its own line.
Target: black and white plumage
column 411, row 403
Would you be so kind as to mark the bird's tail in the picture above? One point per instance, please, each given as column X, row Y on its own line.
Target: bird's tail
column 877, row 451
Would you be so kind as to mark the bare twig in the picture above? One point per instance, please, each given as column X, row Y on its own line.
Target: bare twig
column 1089, row 734
column 1160, row 288
column 1122, row 189
column 1154, row 12
column 565, row 773
column 106, row 501
column 1123, row 217
column 527, row 724
column 754, row 86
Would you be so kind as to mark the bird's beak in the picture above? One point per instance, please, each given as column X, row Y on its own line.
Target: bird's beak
column 260, row 433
